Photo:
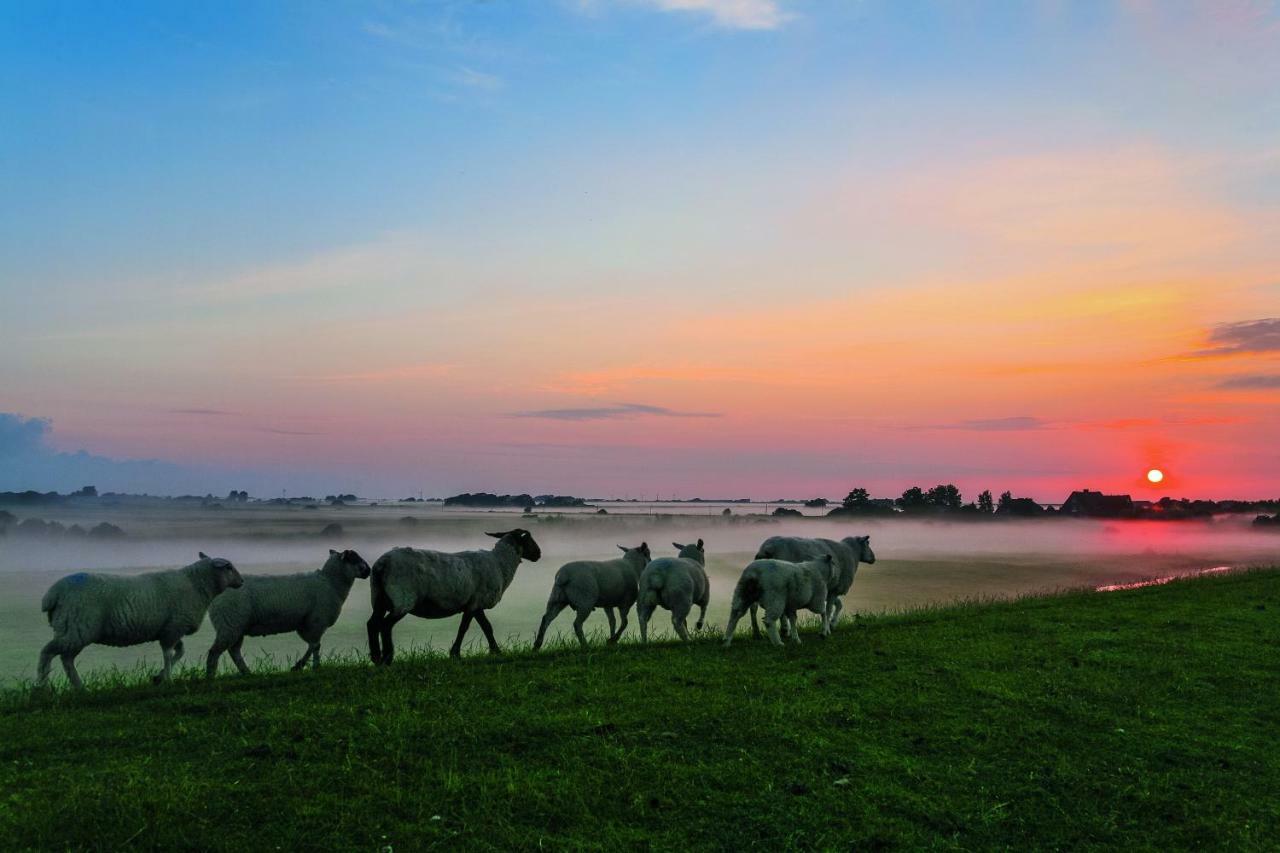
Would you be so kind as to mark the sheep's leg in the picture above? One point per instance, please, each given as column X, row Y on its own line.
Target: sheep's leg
column 771, row 628
column 553, row 610
column 613, row 624
column 178, row 651
column 834, row 611
column 167, row 653
column 680, row 624
column 312, row 654
column 51, row 649
column 69, row 666
column 483, row 622
column 211, row 660
column 755, row 625
column 577, row 626
column 790, row 619
column 702, row 616
column 237, row 658
column 388, row 647
column 374, row 627
column 617, row 635
column 642, row 614
column 734, row 616
column 455, row 651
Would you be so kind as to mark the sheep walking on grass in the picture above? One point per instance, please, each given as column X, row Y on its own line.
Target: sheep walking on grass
column 124, row 611
column 782, row 588
column 677, row 583
column 848, row 552
column 435, row 585
column 308, row 603
column 585, row 585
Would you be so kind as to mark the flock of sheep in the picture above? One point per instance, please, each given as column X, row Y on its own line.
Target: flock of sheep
column 788, row 574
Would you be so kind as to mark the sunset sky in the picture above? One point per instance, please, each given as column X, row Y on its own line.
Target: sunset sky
column 725, row 248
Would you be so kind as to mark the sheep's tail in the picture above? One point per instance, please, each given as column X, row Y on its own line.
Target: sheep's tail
column 651, row 595
column 378, row 581
column 50, row 601
column 747, row 591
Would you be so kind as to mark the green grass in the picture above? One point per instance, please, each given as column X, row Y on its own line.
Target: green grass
column 1137, row 719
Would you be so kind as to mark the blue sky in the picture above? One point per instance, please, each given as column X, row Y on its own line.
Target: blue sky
column 206, row 207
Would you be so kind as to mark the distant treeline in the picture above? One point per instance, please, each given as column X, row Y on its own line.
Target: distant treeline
column 490, row 500
column 948, row 500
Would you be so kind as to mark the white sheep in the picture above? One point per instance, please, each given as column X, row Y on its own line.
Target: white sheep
column 677, row 583
column 435, row 585
column 585, row 585
column 124, row 611
column 782, row 588
column 308, row 603
column 848, row 552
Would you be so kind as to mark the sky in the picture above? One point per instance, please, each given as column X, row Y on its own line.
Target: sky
column 722, row 248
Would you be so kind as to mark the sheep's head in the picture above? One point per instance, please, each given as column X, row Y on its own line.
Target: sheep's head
column 522, row 541
column 352, row 561
column 224, row 572
column 641, row 551
column 861, row 546
column 692, row 552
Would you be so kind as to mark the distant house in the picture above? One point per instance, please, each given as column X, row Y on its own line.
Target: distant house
column 1098, row 505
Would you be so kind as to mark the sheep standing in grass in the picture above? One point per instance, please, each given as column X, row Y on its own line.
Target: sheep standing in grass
column 677, row 583
column 308, row 603
column 435, row 585
column 585, row 585
column 848, row 552
column 782, row 588
column 124, row 611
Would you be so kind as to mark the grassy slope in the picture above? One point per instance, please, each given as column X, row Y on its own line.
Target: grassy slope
column 1144, row 718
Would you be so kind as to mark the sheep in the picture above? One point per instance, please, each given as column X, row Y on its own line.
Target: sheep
column 308, row 603
column 585, row 585
column 434, row 585
column 848, row 552
column 124, row 611
column 677, row 583
column 782, row 588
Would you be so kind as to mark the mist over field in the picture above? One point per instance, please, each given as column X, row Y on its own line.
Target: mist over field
column 917, row 562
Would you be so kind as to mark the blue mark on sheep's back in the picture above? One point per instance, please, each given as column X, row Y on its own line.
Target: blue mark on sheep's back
column 78, row 578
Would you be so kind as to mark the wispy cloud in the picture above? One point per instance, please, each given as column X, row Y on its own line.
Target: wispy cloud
column 473, row 79
column 213, row 413
column 1014, row 424
column 730, row 14
column 613, row 412
column 275, row 431
column 1250, row 383
column 1250, row 336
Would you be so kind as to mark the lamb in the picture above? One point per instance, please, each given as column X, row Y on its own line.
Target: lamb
column 434, row 585
column 308, row 603
column 585, row 585
column 677, row 583
column 848, row 552
column 782, row 588
column 124, row 611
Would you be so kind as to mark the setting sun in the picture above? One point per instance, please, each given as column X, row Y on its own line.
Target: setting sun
column 1155, row 475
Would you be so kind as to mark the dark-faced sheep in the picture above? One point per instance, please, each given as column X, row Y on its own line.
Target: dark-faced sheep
column 436, row 585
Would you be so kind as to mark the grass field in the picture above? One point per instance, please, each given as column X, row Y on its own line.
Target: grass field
column 1136, row 719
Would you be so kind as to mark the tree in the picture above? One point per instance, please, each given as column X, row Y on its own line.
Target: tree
column 945, row 498
column 857, row 499
column 985, row 503
column 1006, row 501
column 913, row 500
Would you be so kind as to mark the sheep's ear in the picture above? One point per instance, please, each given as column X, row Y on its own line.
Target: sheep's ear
column 496, row 535
column 332, row 553
column 622, row 548
column 677, row 546
column 700, row 548
column 203, row 555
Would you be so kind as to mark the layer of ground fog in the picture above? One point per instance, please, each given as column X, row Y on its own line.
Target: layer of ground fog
column 1141, row 718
